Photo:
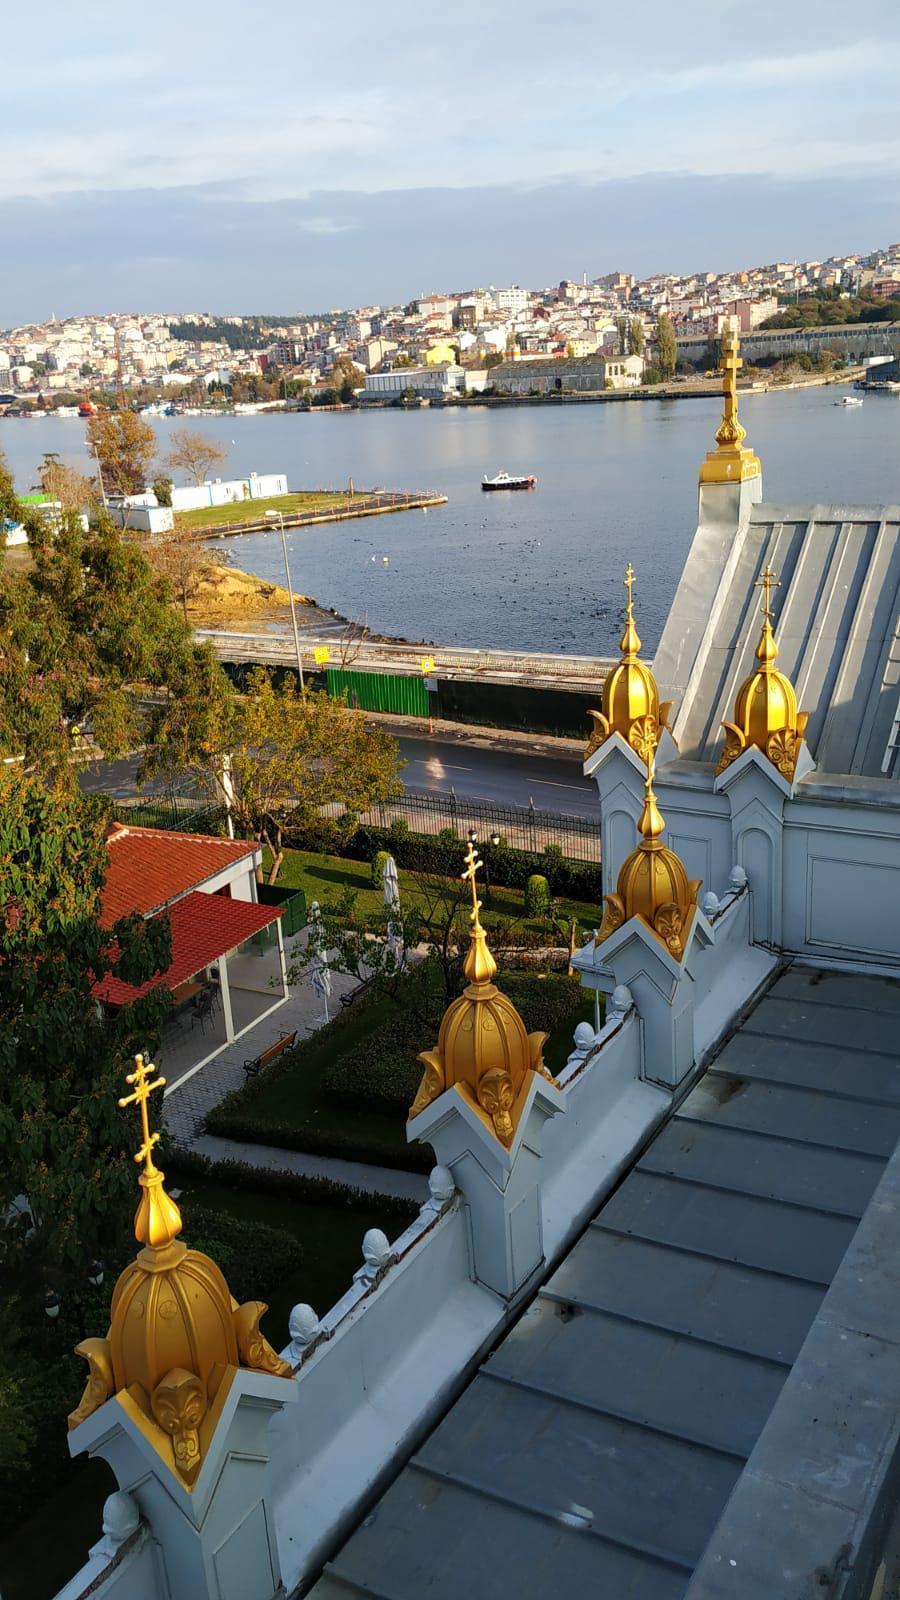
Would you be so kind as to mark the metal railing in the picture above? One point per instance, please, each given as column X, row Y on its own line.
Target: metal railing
column 522, row 827
column 385, row 657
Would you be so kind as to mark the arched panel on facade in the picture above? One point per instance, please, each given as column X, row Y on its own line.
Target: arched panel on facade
column 756, row 854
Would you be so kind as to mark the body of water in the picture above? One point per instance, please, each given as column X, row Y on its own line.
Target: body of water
column 539, row 570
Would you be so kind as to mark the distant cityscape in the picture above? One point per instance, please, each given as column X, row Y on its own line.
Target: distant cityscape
column 442, row 343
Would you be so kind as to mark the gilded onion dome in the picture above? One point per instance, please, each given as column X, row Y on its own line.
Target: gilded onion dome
column 483, row 1048
column 176, row 1337
column 765, row 711
column 732, row 461
column 652, row 885
column 630, row 698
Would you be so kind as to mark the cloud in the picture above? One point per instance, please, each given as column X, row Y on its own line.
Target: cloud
column 325, row 226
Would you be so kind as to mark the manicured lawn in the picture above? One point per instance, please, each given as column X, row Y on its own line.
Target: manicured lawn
column 306, row 502
column 324, row 878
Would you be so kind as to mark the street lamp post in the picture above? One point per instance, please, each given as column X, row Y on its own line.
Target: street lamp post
column 279, row 517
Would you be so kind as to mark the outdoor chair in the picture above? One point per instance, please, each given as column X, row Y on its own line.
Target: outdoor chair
column 202, row 1009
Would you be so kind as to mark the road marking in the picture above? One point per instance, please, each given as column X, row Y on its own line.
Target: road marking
column 548, row 783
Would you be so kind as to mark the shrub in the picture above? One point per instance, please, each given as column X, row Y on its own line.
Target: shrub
column 253, row 1256
column 537, row 895
column 379, row 862
column 382, row 1073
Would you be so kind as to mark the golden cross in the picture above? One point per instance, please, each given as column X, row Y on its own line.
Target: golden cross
column 142, row 1092
column 767, row 581
column 732, row 362
column 468, row 876
column 629, row 584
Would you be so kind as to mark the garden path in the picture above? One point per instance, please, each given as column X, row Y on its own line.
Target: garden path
column 357, row 1174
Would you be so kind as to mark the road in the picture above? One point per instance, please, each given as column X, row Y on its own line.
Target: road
column 505, row 777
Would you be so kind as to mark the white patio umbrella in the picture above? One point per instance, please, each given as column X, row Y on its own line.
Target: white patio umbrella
column 319, row 972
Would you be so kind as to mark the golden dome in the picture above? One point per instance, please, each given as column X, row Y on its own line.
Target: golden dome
column 731, row 461
column 765, row 711
column 652, row 885
column 630, row 697
column 482, row 1047
column 176, row 1337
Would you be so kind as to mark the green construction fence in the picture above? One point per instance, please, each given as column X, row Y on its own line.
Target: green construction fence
column 380, row 691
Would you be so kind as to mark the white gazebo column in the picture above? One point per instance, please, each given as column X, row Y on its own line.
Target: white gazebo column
column 225, row 992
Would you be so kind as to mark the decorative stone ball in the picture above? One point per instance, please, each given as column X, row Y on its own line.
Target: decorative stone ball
column 440, row 1185
column 303, row 1325
column 376, row 1248
column 738, row 878
column 621, row 998
column 120, row 1516
column 710, row 904
column 583, row 1036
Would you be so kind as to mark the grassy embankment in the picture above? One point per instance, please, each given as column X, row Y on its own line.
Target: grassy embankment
column 307, row 503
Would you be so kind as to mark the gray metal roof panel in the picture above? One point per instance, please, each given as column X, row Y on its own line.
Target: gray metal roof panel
column 749, row 1163
column 712, row 1301
column 599, row 1443
column 754, row 1232
column 836, row 626
column 704, row 1395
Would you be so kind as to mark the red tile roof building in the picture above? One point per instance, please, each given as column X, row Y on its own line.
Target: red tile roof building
column 204, row 928
column 150, row 867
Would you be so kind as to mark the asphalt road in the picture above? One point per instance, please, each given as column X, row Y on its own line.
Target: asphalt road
column 432, row 764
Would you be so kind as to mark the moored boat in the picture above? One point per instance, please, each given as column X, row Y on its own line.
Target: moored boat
column 505, row 480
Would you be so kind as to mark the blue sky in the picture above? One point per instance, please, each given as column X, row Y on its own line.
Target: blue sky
column 285, row 156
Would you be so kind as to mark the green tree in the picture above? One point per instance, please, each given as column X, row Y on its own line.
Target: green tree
column 346, row 378
column 63, row 1144
column 622, row 332
column 666, row 345
column 123, row 446
column 295, row 755
column 636, row 337
column 90, row 643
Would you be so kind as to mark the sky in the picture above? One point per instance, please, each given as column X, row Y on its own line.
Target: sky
column 285, row 156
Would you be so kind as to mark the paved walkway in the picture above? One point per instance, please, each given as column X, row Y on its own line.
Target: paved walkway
column 356, row 1174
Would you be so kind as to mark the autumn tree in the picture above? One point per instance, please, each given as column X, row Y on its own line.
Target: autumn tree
column 346, row 377
column 123, row 445
column 300, row 759
column 89, row 638
column 195, row 454
column 63, row 1142
column 666, row 345
column 64, row 483
column 180, row 558
column 636, row 337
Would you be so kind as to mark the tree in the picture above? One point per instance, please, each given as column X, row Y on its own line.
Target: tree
column 622, row 332
column 66, row 484
column 194, row 453
column 346, row 378
column 63, row 1142
column 123, row 446
column 89, row 639
column 297, row 757
column 666, row 345
column 636, row 337
column 162, row 488
column 180, row 558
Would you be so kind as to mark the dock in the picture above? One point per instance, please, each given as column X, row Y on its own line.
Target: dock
column 378, row 503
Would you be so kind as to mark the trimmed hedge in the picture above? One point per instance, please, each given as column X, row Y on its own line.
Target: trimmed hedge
column 440, row 853
column 252, row 1255
column 242, row 1175
column 537, row 895
column 383, row 1073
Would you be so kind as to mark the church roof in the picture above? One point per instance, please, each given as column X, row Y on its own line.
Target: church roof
column 597, row 1447
column 838, row 634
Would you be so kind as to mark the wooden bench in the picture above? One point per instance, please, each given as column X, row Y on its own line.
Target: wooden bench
column 270, row 1054
column 354, row 994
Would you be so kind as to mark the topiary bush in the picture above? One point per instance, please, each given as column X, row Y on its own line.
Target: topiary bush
column 379, row 862
column 537, row 895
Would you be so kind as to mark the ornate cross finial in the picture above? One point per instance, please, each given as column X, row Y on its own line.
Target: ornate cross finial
column 767, row 581
column 468, row 876
column 629, row 644
column 143, row 1070
column 730, row 432
column 629, row 584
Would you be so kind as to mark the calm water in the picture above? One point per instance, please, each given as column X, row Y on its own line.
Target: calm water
column 540, row 570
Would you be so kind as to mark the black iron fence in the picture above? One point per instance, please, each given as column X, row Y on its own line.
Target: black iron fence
column 426, row 812
column 522, row 827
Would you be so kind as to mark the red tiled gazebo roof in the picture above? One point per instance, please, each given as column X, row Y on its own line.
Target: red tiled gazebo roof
column 205, row 927
column 148, row 868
